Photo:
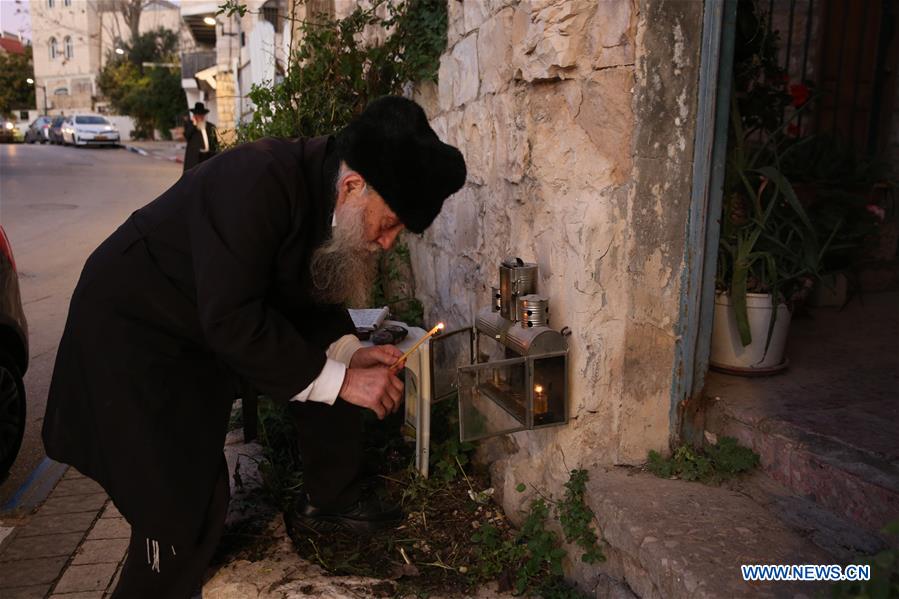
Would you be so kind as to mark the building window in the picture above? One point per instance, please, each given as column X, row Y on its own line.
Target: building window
column 61, row 91
column 270, row 14
column 67, row 2
column 54, row 50
column 243, row 39
column 50, row 3
column 81, row 86
column 69, row 50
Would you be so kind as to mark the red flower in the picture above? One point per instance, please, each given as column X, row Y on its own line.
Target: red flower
column 793, row 130
column 800, row 94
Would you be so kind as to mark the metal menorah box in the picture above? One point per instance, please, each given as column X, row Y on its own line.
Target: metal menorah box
column 509, row 371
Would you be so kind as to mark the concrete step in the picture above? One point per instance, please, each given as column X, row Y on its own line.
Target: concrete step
column 828, row 427
column 850, row 481
column 674, row 539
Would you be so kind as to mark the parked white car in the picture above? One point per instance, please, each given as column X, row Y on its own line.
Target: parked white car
column 89, row 129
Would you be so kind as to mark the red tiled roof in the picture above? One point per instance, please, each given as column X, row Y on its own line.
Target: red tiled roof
column 12, row 46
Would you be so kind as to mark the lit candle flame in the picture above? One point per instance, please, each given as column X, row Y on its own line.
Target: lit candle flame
column 538, row 389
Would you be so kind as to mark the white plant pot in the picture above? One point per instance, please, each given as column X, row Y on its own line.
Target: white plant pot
column 728, row 352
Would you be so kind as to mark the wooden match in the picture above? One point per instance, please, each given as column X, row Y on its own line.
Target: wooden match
column 408, row 353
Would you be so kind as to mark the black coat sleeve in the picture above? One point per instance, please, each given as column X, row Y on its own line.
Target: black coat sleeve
column 245, row 212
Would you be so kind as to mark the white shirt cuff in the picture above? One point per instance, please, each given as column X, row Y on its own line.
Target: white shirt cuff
column 343, row 349
column 326, row 387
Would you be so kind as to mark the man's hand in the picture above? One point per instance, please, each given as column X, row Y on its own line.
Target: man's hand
column 377, row 355
column 377, row 389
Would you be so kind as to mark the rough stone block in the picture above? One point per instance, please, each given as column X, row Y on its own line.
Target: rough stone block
column 606, row 115
column 446, row 76
column 495, row 51
column 455, row 26
column 465, row 84
column 474, row 14
column 30, row 572
column 110, row 528
column 612, row 32
column 41, row 546
column 103, row 551
column 478, row 135
column 549, row 38
column 90, row 577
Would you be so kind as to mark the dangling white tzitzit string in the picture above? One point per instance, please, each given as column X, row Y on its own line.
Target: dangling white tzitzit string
column 154, row 563
column 173, row 550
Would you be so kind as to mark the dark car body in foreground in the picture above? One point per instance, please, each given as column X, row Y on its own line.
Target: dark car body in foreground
column 13, row 359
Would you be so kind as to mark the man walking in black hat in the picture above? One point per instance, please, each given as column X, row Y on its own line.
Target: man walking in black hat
column 241, row 271
column 200, row 135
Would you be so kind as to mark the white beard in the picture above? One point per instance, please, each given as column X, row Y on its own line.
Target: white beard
column 345, row 266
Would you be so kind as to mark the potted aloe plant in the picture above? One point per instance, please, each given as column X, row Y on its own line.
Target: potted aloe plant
column 768, row 258
column 769, row 251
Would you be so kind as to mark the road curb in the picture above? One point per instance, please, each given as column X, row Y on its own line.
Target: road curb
column 137, row 150
column 143, row 152
column 36, row 487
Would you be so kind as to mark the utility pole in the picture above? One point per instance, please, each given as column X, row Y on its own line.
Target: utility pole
column 38, row 85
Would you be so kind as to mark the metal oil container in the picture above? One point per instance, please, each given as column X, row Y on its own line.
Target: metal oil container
column 516, row 278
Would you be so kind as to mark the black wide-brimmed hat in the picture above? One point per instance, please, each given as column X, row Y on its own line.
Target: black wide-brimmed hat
column 391, row 144
column 199, row 108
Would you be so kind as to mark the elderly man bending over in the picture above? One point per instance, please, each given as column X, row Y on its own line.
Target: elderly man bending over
column 241, row 271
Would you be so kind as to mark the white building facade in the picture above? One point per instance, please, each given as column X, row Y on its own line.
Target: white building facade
column 71, row 42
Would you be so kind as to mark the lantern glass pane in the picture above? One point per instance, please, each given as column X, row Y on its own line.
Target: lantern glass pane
column 492, row 399
column 549, row 390
column 448, row 352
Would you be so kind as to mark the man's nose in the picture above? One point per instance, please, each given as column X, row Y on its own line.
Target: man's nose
column 387, row 239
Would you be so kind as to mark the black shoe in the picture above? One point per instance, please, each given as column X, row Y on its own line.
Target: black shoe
column 367, row 515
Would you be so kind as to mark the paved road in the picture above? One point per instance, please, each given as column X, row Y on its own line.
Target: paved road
column 57, row 204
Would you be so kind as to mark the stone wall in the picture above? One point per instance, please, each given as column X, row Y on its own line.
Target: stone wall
column 576, row 119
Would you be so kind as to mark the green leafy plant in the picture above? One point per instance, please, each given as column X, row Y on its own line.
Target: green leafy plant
column 713, row 464
column 532, row 559
column 768, row 243
column 152, row 95
column 337, row 70
column 15, row 91
column 576, row 518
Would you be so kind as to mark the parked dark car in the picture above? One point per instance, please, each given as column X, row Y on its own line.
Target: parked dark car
column 56, row 129
column 39, row 130
column 13, row 359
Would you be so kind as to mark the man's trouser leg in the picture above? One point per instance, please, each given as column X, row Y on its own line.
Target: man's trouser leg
column 156, row 569
column 330, row 439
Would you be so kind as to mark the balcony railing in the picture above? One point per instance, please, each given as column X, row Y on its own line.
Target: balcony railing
column 193, row 62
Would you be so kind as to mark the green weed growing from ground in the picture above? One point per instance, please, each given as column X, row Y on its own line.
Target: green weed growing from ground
column 711, row 465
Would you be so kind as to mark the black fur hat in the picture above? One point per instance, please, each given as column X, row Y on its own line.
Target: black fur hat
column 395, row 150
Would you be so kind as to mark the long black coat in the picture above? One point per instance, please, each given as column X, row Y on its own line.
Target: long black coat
column 192, row 156
column 206, row 284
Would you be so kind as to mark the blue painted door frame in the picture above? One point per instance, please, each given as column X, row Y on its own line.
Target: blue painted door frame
column 703, row 226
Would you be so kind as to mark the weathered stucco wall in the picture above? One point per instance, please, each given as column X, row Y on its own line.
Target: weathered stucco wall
column 576, row 119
